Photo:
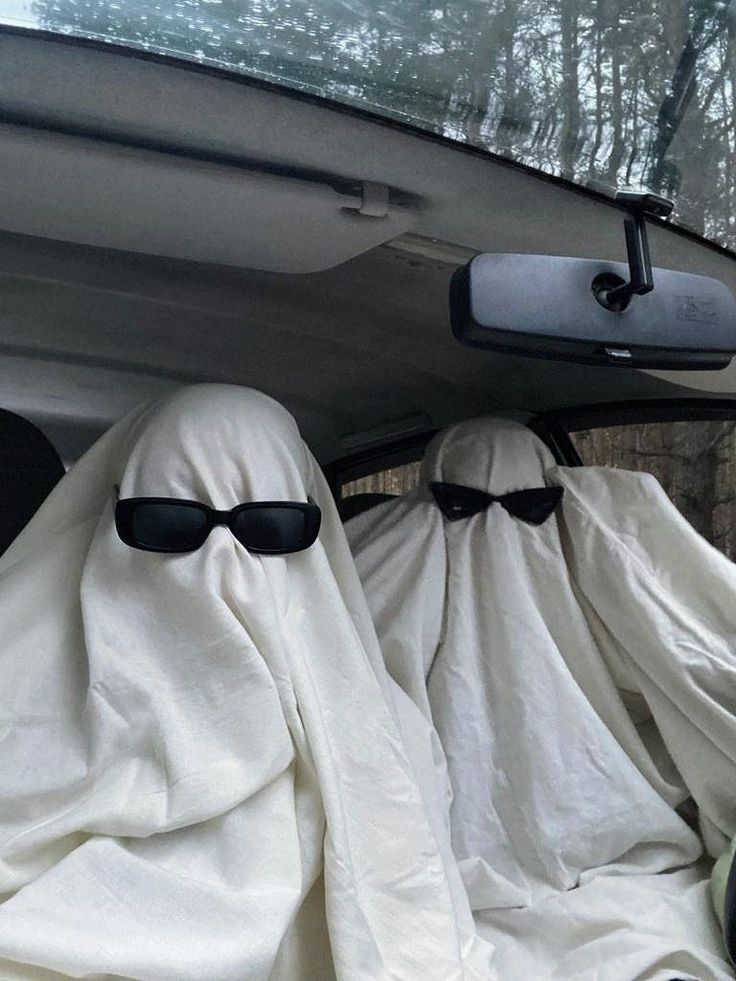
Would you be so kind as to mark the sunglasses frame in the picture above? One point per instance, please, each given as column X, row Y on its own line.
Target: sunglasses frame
column 125, row 508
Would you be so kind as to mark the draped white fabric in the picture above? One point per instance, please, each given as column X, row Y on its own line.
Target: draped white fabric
column 580, row 675
column 205, row 772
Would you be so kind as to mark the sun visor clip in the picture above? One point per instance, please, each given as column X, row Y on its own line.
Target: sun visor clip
column 371, row 200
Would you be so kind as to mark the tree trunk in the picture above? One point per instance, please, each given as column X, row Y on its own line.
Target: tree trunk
column 569, row 142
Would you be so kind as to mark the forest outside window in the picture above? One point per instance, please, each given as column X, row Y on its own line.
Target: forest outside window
column 695, row 462
column 396, row 480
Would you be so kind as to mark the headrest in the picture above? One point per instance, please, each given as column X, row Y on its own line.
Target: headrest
column 29, row 469
column 350, row 507
column 488, row 453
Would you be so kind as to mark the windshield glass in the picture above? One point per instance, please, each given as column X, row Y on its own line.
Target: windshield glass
column 607, row 93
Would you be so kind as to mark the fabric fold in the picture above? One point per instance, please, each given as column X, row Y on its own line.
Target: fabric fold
column 202, row 767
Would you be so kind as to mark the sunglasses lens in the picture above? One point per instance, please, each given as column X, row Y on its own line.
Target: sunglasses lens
column 167, row 527
column 272, row 529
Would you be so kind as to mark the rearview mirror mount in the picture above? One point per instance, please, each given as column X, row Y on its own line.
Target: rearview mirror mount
column 581, row 310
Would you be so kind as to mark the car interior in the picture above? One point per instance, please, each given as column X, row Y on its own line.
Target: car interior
column 166, row 221
column 194, row 230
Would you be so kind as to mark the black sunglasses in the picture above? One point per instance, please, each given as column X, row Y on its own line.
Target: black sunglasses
column 165, row 524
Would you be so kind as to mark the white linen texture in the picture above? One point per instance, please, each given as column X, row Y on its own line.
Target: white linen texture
column 581, row 675
column 205, row 772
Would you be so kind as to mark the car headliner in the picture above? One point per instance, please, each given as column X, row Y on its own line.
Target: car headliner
column 110, row 155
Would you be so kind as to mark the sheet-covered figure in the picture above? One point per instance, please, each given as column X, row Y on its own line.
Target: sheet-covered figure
column 205, row 771
column 545, row 651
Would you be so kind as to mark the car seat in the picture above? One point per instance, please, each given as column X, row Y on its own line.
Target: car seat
column 30, row 467
column 350, row 507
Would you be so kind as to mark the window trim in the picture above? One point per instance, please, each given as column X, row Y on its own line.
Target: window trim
column 365, row 463
column 555, row 426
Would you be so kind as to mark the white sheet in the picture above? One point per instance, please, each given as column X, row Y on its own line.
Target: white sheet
column 202, row 769
column 566, row 798
column 668, row 601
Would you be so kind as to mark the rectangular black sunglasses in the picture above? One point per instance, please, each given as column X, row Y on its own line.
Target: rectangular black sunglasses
column 166, row 524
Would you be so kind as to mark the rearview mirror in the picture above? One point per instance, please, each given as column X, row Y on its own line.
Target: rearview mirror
column 556, row 307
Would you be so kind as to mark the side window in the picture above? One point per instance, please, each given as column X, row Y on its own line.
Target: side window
column 397, row 480
column 694, row 461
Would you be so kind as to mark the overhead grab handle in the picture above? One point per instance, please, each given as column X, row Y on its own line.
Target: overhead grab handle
column 617, row 296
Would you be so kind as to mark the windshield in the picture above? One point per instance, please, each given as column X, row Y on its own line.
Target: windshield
column 606, row 93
